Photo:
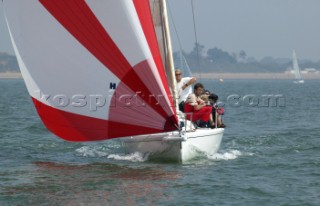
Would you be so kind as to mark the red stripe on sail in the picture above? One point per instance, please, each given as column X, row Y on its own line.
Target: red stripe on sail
column 133, row 109
column 144, row 12
column 77, row 17
column 79, row 128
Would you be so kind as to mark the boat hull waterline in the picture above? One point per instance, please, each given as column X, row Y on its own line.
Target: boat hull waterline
column 299, row 82
column 174, row 146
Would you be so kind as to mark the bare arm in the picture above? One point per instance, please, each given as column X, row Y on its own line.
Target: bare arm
column 189, row 83
column 200, row 105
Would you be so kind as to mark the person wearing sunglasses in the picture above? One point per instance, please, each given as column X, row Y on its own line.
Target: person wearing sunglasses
column 184, row 87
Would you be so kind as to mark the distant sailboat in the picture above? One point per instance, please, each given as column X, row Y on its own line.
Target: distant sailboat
column 296, row 68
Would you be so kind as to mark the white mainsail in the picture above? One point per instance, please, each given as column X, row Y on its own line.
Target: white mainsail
column 161, row 25
column 295, row 66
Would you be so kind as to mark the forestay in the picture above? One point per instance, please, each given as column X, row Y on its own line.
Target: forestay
column 93, row 68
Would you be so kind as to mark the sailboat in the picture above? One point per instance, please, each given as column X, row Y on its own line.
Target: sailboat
column 296, row 69
column 100, row 70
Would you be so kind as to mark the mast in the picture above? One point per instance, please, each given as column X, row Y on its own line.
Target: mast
column 169, row 54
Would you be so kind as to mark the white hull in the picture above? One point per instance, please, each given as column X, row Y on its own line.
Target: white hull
column 299, row 81
column 176, row 147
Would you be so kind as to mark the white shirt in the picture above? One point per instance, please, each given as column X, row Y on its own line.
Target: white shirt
column 183, row 94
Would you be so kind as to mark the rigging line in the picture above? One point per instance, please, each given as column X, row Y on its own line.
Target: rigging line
column 174, row 26
column 196, row 37
column 178, row 38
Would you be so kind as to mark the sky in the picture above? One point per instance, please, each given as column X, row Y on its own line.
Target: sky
column 260, row 28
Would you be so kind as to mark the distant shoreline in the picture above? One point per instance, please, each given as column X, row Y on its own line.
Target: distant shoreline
column 255, row 76
column 17, row 75
column 10, row 75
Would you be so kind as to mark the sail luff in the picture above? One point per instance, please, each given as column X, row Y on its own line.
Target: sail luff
column 171, row 74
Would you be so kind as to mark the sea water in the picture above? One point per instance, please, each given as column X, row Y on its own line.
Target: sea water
column 270, row 155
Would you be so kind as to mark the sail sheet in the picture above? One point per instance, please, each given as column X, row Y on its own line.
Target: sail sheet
column 93, row 68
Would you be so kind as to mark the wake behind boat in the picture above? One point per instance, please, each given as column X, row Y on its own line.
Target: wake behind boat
column 98, row 70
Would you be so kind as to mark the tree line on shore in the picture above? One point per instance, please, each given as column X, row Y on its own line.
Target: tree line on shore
column 218, row 60
column 8, row 63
